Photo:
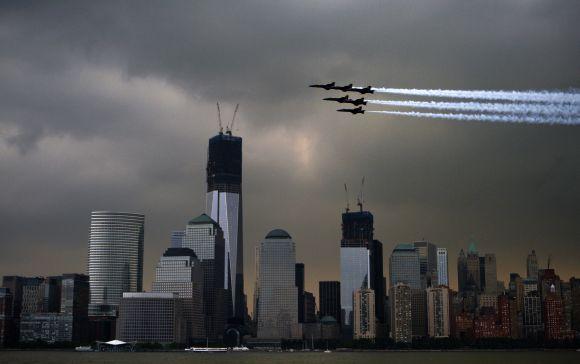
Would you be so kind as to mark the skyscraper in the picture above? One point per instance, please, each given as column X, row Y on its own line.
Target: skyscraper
column 357, row 234
column 490, row 274
column 205, row 238
column 377, row 284
column 276, row 293
column 299, row 281
column 428, row 263
column 179, row 271
column 224, row 205
column 532, row 265
column 442, row 267
column 364, row 325
column 462, row 271
column 404, row 266
column 329, row 296
column 115, row 263
column 473, row 268
column 401, row 322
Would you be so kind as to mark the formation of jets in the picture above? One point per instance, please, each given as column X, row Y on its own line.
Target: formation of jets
column 345, row 99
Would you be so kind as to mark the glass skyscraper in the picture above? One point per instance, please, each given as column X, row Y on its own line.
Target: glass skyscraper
column 355, row 262
column 115, row 263
column 224, row 205
column 276, row 295
column 442, row 267
column 404, row 266
column 204, row 236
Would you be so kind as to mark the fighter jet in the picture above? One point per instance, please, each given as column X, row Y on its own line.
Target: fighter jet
column 363, row 90
column 357, row 102
column 357, row 110
column 328, row 86
column 346, row 100
column 345, row 88
column 342, row 100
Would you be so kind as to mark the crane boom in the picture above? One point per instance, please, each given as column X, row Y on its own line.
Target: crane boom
column 219, row 117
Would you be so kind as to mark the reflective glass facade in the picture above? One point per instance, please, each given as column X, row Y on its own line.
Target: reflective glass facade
column 115, row 263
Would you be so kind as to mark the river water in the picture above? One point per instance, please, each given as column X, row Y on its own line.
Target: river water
column 485, row 357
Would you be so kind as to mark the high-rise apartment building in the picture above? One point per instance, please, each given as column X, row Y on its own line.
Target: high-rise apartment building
column 276, row 294
column 205, row 237
column 115, row 263
column 355, row 262
column 439, row 309
column 224, row 205
column 401, row 321
column 364, row 320
column 442, row 267
column 180, row 271
column 329, row 296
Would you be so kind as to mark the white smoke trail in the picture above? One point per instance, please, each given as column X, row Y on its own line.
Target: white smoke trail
column 514, row 108
column 488, row 117
column 558, row 97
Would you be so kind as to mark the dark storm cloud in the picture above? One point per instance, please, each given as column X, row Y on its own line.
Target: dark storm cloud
column 108, row 105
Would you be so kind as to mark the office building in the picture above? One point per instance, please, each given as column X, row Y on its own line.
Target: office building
column 462, row 274
column 224, row 205
column 177, row 237
column 575, row 298
column 5, row 315
column 428, row 263
column 299, row 281
column 532, row 265
column 473, row 269
column 442, row 267
column 401, row 321
column 309, row 307
column 329, row 296
column 439, row 312
column 490, row 274
column 404, row 266
column 115, row 263
column 276, row 300
column 67, row 322
column 205, row 237
column 364, row 321
column 148, row 317
column 357, row 234
column 377, row 284
column 179, row 271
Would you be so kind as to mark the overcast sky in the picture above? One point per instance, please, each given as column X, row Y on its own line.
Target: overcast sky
column 109, row 106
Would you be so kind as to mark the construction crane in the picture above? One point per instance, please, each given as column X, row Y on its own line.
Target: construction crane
column 359, row 199
column 346, row 198
column 219, row 118
column 230, row 127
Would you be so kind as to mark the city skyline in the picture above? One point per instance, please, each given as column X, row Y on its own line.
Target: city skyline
column 120, row 121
